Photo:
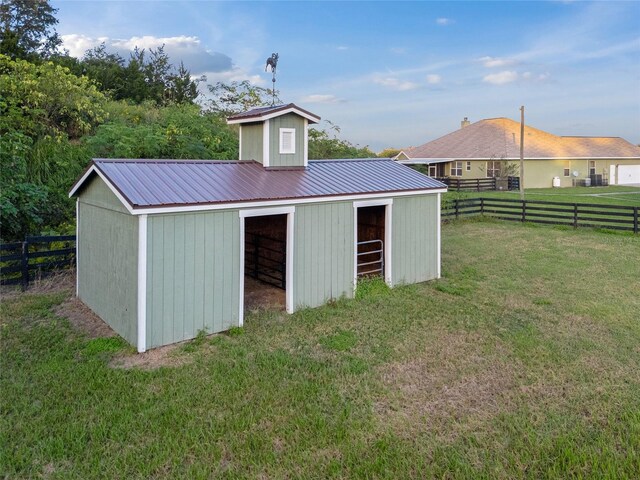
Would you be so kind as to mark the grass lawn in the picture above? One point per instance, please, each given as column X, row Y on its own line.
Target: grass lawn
column 521, row 362
column 613, row 195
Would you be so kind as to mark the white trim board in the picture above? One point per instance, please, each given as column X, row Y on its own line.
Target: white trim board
column 77, row 245
column 278, row 113
column 263, row 212
column 291, row 201
column 142, row 284
column 265, row 144
column 388, row 235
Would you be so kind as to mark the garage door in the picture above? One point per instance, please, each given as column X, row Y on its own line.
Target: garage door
column 626, row 174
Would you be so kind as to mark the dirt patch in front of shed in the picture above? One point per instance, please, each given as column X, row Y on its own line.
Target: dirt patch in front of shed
column 83, row 319
column 259, row 295
column 166, row 356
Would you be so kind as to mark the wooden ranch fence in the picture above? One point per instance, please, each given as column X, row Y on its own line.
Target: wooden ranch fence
column 613, row 217
column 478, row 184
column 36, row 257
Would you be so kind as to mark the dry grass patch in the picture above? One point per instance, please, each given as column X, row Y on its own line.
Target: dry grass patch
column 457, row 382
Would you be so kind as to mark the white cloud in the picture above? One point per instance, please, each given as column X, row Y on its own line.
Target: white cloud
column 187, row 49
column 342, row 47
column 318, row 98
column 433, row 79
column 77, row 44
column 149, row 41
column 501, row 78
column 444, row 21
column 491, row 62
column 395, row 83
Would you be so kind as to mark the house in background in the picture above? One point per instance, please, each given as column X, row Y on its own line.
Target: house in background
column 487, row 147
column 168, row 248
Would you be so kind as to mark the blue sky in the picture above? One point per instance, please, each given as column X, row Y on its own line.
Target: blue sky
column 402, row 73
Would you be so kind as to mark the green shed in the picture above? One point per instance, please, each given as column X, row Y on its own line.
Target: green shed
column 167, row 248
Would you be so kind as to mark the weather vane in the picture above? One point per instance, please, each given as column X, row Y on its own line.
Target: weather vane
column 272, row 62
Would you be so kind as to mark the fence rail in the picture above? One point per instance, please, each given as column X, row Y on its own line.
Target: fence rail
column 36, row 257
column 266, row 259
column 479, row 184
column 613, row 217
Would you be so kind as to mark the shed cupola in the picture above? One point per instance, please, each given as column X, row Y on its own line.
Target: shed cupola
column 277, row 136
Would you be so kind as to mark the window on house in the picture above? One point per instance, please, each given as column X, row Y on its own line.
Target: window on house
column 287, row 140
column 468, row 166
column 592, row 167
column 456, row 169
column 493, row 168
column 567, row 172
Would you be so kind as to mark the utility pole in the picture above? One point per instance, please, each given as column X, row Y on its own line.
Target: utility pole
column 522, row 152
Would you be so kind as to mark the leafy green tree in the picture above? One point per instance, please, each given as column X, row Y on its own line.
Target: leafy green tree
column 235, row 97
column 174, row 131
column 27, row 29
column 325, row 145
column 389, row 152
column 44, row 110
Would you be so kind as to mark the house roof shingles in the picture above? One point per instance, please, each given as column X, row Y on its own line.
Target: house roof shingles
column 500, row 138
column 160, row 183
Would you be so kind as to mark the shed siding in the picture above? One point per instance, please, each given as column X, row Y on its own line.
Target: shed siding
column 251, row 147
column 108, row 259
column 192, row 275
column 288, row 160
column 323, row 253
column 414, row 244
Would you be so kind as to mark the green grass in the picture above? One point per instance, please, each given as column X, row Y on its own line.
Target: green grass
column 521, row 362
column 613, row 195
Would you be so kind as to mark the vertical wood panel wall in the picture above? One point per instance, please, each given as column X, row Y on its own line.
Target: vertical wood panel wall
column 251, row 142
column 193, row 276
column 108, row 259
column 323, row 253
column 414, row 243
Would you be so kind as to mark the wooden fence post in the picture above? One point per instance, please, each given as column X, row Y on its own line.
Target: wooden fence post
column 482, row 207
column 575, row 215
column 478, row 184
column 455, row 203
column 524, row 210
column 635, row 219
column 24, row 263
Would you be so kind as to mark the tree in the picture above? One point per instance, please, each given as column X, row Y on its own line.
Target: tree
column 389, row 152
column 236, row 97
column 182, row 88
column 28, row 29
column 151, row 131
column 43, row 107
column 323, row 145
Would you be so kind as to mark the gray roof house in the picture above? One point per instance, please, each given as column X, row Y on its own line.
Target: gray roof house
column 167, row 248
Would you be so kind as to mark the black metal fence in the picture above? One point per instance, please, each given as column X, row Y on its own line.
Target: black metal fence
column 36, row 257
column 265, row 259
column 612, row 217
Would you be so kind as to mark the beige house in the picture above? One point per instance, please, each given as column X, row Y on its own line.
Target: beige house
column 491, row 148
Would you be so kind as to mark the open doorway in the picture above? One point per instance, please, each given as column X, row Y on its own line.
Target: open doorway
column 265, row 261
column 370, row 242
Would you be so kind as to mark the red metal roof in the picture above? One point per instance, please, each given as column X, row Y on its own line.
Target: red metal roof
column 157, row 183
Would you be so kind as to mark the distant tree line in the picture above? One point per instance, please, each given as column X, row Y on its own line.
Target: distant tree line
column 57, row 112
